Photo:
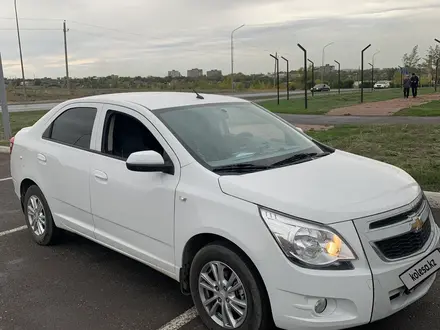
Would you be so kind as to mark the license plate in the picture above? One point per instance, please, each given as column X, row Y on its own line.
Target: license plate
column 422, row 270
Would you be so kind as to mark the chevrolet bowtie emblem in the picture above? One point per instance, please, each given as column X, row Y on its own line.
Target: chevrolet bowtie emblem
column 417, row 225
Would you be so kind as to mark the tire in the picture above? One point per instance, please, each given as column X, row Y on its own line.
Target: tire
column 256, row 316
column 44, row 233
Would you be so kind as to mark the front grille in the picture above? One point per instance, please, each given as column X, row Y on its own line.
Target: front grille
column 405, row 245
column 397, row 218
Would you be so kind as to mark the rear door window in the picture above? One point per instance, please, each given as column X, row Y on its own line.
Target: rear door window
column 73, row 127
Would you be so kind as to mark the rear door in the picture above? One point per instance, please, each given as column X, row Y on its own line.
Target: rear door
column 63, row 163
column 133, row 211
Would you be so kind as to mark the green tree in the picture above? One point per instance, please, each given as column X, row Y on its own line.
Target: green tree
column 411, row 61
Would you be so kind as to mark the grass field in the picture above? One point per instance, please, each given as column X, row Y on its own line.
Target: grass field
column 322, row 104
column 414, row 148
column 430, row 109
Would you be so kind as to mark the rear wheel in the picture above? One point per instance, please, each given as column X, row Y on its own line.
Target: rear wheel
column 39, row 218
column 226, row 292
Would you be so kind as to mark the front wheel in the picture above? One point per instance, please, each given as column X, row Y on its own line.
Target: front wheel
column 226, row 292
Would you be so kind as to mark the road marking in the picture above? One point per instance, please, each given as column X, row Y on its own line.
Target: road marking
column 4, row 233
column 181, row 320
column 5, row 179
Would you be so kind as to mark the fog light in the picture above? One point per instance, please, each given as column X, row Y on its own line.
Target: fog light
column 321, row 305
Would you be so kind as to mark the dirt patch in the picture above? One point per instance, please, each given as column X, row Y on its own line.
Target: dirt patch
column 382, row 108
column 314, row 127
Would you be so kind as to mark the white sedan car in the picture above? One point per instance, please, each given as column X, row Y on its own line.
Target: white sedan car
column 382, row 85
column 257, row 221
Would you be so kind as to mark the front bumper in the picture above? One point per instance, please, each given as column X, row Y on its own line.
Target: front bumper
column 369, row 292
column 390, row 294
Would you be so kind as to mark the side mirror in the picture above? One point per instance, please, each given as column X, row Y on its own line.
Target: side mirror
column 148, row 161
column 299, row 129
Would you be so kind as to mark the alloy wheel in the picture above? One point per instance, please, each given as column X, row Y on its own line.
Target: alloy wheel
column 223, row 295
column 36, row 215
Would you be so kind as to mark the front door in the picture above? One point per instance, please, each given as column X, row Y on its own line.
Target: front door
column 133, row 211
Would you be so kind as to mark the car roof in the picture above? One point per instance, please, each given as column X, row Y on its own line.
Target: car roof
column 161, row 100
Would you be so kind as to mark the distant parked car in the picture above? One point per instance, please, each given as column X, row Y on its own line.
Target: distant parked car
column 381, row 85
column 321, row 88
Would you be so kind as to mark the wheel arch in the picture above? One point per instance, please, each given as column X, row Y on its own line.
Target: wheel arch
column 197, row 242
column 25, row 184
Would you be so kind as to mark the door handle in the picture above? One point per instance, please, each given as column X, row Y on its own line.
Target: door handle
column 100, row 176
column 41, row 158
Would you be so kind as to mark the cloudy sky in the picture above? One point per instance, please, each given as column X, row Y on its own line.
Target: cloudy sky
column 150, row 37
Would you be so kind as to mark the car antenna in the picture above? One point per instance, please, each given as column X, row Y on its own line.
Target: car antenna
column 198, row 95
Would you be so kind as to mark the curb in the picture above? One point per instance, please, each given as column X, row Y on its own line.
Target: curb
column 4, row 150
column 433, row 199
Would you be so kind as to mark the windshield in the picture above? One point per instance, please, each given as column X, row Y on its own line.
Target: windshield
column 242, row 133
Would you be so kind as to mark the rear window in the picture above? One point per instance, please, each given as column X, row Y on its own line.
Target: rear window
column 73, row 127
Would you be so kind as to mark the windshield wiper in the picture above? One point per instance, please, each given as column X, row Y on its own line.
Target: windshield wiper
column 300, row 158
column 242, row 167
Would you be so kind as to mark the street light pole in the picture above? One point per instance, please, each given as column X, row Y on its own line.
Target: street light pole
column 232, row 55
column 437, row 40
column 313, row 76
column 278, row 76
column 374, row 55
column 401, row 76
column 287, row 61
column 323, row 60
column 305, row 74
column 372, row 75
column 19, row 47
column 436, row 73
column 362, row 72
column 339, row 76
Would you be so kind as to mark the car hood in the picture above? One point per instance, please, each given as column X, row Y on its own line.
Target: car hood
column 334, row 188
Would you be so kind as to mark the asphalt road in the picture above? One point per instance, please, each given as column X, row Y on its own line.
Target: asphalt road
column 249, row 96
column 78, row 284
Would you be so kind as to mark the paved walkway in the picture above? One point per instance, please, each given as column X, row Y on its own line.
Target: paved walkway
column 383, row 108
column 356, row 120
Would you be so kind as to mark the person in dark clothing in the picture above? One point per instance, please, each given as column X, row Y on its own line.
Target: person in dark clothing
column 414, row 84
column 406, row 86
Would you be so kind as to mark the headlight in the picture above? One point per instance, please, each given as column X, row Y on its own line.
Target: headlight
column 309, row 243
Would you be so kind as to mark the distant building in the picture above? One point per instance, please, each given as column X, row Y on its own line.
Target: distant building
column 194, row 73
column 174, row 74
column 214, row 73
column 327, row 68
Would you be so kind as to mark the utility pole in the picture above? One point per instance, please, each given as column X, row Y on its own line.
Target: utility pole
column 362, row 72
column 313, row 76
column 287, row 61
column 66, row 57
column 275, row 71
column 372, row 76
column 339, row 76
column 4, row 104
column 305, row 74
column 21, row 54
column 232, row 55
column 277, row 68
